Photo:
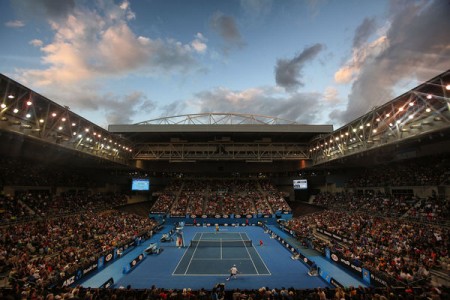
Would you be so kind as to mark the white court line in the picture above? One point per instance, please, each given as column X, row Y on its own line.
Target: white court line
column 231, row 259
column 253, row 263
column 226, row 274
column 185, row 251
column 262, row 262
column 193, row 254
column 215, row 259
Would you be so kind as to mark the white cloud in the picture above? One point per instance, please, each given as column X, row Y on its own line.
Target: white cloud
column 199, row 44
column 36, row 43
column 271, row 101
column 15, row 24
column 87, row 45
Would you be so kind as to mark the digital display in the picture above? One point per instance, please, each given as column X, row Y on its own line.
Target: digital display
column 300, row 184
column 139, row 184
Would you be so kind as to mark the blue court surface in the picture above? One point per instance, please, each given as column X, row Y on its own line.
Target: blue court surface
column 214, row 254
column 206, row 261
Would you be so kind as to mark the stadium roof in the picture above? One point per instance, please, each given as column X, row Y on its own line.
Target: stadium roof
column 220, row 136
column 418, row 117
column 223, row 127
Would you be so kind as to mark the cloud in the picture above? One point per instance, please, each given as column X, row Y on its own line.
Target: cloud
column 225, row 26
column 360, row 56
column 198, row 44
column 174, row 108
column 44, row 9
column 121, row 110
column 301, row 107
column 36, row 43
column 331, row 94
column 288, row 71
column 116, row 109
column 87, row 46
column 15, row 24
column 364, row 31
column 416, row 48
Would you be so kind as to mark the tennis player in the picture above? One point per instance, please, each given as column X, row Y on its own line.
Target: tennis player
column 233, row 272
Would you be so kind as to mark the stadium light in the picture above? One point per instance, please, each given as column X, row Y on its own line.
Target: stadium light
column 11, row 96
column 447, row 87
column 3, row 105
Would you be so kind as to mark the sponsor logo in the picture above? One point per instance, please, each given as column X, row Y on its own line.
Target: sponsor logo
column 89, row 269
column 69, row 281
column 193, row 216
column 108, row 257
column 249, row 216
column 378, row 279
column 345, row 262
column 356, row 268
column 217, row 216
column 109, row 283
column 225, row 216
column 335, row 283
column 237, row 216
column 204, row 216
column 334, row 257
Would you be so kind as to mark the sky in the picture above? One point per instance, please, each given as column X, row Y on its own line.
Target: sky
column 313, row 62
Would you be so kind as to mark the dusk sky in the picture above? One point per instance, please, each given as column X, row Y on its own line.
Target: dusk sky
column 314, row 62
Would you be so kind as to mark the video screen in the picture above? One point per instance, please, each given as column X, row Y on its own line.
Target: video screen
column 300, row 184
column 140, row 184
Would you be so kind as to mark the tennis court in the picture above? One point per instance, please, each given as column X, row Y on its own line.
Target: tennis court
column 205, row 265
column 214, row 253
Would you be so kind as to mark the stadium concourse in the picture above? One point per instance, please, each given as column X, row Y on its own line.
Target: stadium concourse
column 84, row 209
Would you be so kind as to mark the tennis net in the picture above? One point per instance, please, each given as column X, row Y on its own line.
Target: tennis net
column 221, row 243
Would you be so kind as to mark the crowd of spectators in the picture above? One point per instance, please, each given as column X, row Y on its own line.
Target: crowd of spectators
column 44, row 252
column 223, row 197
column 167, row 197
column 431, row 209
column 404, row 250
column 431, row 171
column 12, row 209
column 19, row 172
column 219, row 292
column 41, row 204
column 373, row 203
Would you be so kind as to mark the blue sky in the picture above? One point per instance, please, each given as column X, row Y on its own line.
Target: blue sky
column 314, row 62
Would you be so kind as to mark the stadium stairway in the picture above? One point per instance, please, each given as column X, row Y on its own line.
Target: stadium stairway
column 440, row 277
